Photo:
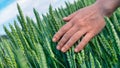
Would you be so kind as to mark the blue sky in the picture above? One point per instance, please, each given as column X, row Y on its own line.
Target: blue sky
column 8, row 9
column 4, row 3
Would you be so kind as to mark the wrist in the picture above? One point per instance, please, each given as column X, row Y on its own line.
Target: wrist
column 107, row 7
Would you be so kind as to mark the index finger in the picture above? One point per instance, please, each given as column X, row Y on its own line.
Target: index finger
column 62, row 31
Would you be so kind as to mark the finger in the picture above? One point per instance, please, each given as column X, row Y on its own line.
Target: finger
column 66, row 19
column 84, row 41
column 63, row 30
column 66, row 37
column 73, row 39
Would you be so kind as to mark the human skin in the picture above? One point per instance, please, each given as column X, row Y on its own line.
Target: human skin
column 86, row 23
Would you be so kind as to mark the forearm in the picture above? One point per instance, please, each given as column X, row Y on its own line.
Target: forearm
column 108, row 6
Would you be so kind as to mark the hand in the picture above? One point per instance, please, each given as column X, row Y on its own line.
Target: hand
column 87, row 22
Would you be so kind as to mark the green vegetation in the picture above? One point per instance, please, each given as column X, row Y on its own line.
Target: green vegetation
column 30, row 45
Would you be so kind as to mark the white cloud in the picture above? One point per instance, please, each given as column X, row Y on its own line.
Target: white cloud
column 27, row 7
column 9, row 13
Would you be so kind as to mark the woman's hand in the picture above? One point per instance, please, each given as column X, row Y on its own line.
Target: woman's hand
column 86, row 22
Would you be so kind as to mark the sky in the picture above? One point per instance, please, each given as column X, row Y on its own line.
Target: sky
column 8, row 9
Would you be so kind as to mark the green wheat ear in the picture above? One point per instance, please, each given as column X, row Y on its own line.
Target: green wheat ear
column 30, row 42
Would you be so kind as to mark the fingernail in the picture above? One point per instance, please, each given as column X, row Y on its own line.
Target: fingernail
column 54, row 39
column 64, row 17
column 63, row 49
column 76, row 50
column 58, row 47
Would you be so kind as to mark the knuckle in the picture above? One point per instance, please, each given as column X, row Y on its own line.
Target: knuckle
column 59, row 46
column 57, row 35
column 71, row 23
column 60, row 43
column 85, row 41
column 64, row 39
column 92, row 34
column 82, row 24
column 66, row 26
column 81, row 45
column 66, row 36
column 77, row 25
column 66, row 47
column 72, row 39
column 89, row 27
column 68, row 44
column 63, row 29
